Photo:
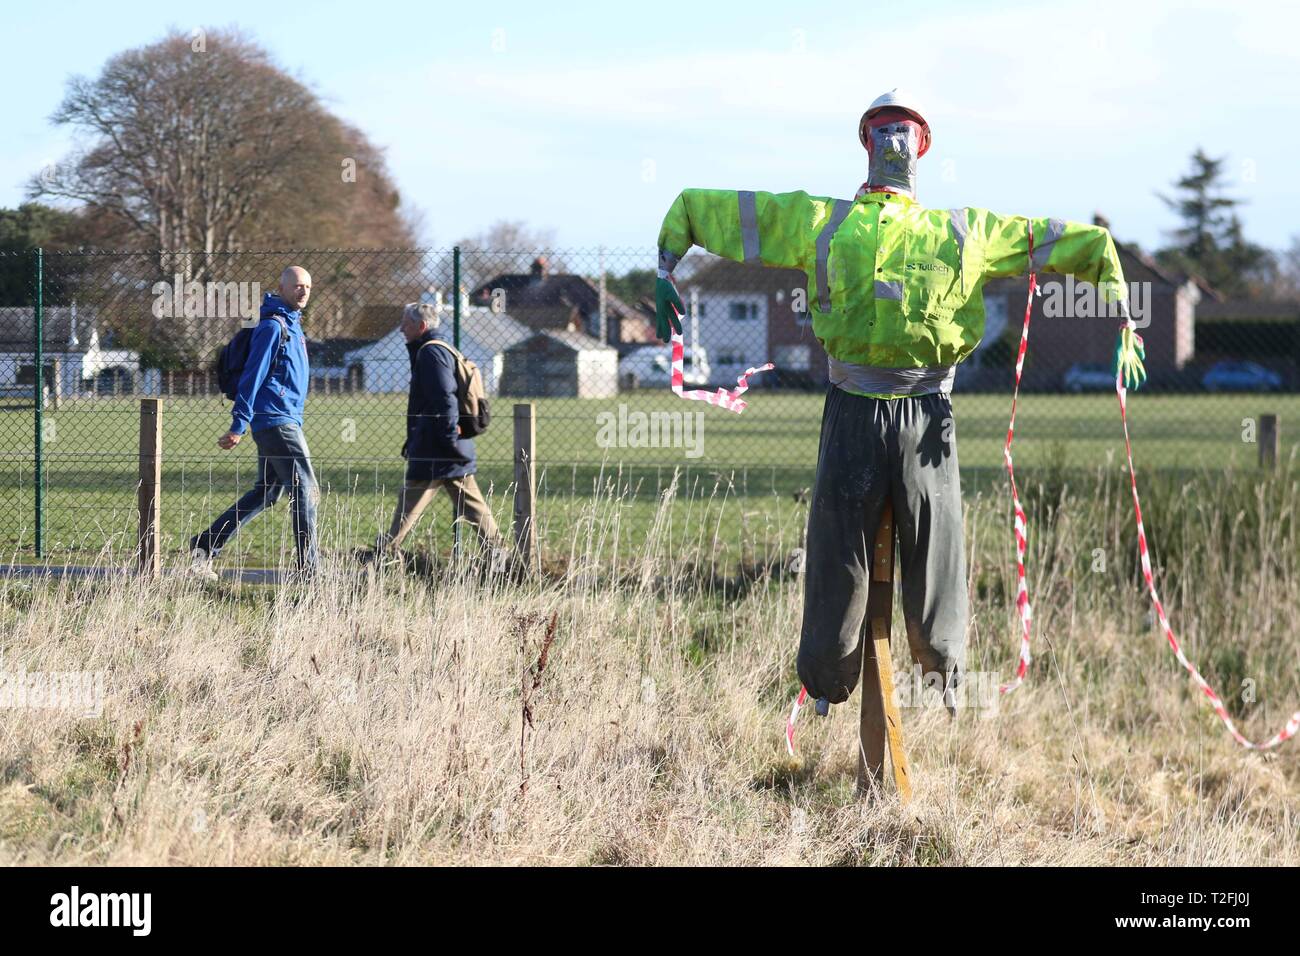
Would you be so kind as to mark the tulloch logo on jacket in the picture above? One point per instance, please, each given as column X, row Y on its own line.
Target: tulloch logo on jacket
column 928, row 267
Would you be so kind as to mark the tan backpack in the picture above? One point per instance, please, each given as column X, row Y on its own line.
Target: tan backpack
column 471, row 396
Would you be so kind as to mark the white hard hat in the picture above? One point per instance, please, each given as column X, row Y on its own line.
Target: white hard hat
column 895, row 100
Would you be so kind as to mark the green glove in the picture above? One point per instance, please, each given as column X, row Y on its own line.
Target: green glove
column 668, row 309
column 1129, row 356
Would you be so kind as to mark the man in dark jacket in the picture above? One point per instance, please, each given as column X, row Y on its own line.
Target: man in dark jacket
column 270, row 401
column 436, row 455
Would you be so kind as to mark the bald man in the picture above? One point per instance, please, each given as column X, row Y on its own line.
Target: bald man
column 269, row 403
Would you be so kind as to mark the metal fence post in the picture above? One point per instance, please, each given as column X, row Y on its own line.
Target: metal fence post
column 525, row 486
column 455, row 340
column 455, row 297
column 38, row 389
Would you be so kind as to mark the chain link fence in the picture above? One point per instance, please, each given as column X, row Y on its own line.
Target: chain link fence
column 83, row 336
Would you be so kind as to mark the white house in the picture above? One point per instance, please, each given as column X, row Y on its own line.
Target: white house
column 484, row 335
column 71, row 340
column 729, row 308
column 560, row 362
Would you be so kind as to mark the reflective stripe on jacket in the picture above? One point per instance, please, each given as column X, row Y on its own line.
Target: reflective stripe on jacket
column 890, row 283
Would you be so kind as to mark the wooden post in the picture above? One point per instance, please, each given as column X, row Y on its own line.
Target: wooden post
column 150, row 492
column 56, row 383
column 881, row 727
column 1270, row 440
column 525, row 486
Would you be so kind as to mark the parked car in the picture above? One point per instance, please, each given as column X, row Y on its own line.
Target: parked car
column 1084, row 377
column 1240, row 377
column 649, row 367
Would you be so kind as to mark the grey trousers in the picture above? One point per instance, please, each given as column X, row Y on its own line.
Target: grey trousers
column 903, row 448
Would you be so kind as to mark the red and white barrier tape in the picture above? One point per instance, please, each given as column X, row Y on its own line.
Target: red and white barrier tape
column 794, row 715
column 1292, row 725
column 730, row 400
column 1021, row 525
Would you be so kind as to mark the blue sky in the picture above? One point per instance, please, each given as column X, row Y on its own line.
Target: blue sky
column 590, row 118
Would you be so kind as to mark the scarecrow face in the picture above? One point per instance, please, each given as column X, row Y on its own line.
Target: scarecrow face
column 893, row 147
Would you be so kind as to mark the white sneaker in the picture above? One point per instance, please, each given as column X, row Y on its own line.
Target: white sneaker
column 201, row 567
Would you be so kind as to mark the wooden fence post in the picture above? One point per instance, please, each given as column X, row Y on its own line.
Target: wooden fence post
column 1270, row 439
column 880, row 726
column 150, row 492
column 525, row 486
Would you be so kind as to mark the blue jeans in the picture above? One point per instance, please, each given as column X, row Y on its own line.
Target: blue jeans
column 283, row 464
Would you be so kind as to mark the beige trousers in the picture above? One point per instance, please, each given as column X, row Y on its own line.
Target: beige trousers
column 467, row 503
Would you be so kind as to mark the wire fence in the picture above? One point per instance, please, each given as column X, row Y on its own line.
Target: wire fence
column 84, row 335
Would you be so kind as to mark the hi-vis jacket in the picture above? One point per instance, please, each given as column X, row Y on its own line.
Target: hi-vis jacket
column 891, row 284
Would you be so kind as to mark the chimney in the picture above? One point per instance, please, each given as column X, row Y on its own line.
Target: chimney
column 539, row 269
column 1099, row 220
column 433, row 296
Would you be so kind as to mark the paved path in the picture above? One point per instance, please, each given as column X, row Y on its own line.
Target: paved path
column 243, row 575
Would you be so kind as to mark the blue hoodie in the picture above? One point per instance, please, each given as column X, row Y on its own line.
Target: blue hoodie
column 273, row 388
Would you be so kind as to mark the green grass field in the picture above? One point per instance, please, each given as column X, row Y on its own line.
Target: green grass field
column 744, row 484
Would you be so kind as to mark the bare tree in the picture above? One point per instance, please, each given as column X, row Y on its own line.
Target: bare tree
column 199, row 154
column 507, row 246
column 184, row 143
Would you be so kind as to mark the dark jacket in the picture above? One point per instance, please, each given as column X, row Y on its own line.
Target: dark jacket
column 273, row 388
column 433, row 449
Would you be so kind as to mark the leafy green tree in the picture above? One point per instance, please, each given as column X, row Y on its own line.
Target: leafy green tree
column 22, row 230
column 632, row 285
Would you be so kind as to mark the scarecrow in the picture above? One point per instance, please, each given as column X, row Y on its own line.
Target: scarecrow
column 895, row 296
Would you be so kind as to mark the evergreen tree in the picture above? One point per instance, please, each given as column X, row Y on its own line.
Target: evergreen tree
column 1210, row 242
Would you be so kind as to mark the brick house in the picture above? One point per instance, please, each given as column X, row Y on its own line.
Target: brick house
column 1058, row 342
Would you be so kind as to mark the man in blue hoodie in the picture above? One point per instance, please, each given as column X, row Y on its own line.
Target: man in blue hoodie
column 272, row 392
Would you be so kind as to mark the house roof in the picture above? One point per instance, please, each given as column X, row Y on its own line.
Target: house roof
column 18, row 326
column 496, row 330
column 373, row 322
column 329, row 353
column 726, row 275
column 541, row 290
column 479, row 326
column 1249, row 309
column 577, row 341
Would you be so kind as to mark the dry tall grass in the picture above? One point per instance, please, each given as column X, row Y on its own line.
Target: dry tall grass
column 395, row 719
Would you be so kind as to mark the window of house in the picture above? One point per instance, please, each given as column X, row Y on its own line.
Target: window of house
column 741, row 311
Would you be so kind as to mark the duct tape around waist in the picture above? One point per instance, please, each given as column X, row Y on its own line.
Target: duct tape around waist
column 871, row 380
